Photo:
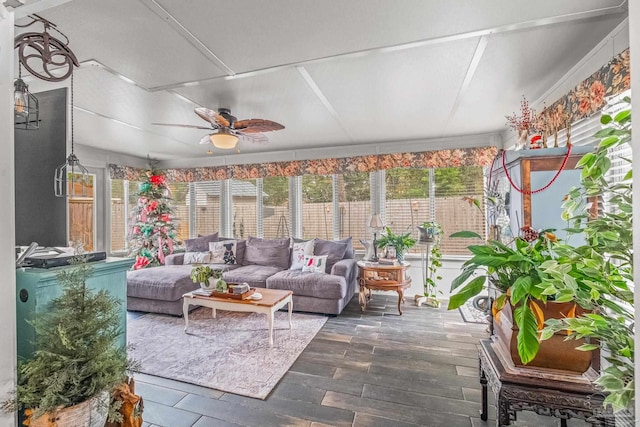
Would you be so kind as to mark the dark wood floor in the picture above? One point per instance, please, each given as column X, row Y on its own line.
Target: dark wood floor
column 369, row 369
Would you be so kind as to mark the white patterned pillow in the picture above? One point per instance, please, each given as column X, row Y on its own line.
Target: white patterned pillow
column 197, row 258
column 298, row 251
column 223, row 252
column 315, row 263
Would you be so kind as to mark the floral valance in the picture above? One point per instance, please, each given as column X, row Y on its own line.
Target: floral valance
column 588, row 97
column 479, row 156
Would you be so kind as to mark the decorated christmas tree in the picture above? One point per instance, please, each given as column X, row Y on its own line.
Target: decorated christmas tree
column 152, row 233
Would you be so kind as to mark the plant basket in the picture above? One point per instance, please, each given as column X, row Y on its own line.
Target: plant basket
column 81, row 415
column 554, row 353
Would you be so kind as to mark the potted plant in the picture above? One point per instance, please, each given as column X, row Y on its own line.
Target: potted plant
column 77, row 361
column 430, row 231
column 431, row 235
column 599, row 273
column 208, row 278
column 525, row 301
column 400, row 242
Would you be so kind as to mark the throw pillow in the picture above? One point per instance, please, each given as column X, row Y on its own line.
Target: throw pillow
column 197, row 257
column 298, row 252
column 315, row 263
column 223, row 252
column 241, row 245
column 335, row 251
column 267, row 252
column 200, row 244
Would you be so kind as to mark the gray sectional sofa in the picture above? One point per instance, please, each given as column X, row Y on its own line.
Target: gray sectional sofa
column 264, row 263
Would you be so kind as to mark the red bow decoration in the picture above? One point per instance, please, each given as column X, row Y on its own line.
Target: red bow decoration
column 141, row 262
column 157, row 180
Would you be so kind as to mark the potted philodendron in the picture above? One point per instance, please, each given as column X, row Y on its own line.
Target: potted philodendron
column 400, row 242
column 208, row 278
column 77, row 360
column 598, row 274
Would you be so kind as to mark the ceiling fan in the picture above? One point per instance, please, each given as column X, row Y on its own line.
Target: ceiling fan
column 227, row 129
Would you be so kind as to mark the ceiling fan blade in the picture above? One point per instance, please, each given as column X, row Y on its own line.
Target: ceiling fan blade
column 257, row 125
column 212, row 117
column 254, row 138
column 205, row 140
column 182, row 126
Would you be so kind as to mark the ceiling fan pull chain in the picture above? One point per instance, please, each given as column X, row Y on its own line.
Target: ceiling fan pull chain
column 529, row 192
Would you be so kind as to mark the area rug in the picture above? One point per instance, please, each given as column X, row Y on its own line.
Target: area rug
column 230, row 353
column 472, row 315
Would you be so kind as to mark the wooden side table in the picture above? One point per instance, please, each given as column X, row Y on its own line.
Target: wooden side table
column 554, row 393
column 382, row 278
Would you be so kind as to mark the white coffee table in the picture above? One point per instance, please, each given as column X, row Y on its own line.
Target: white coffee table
column 272, row 301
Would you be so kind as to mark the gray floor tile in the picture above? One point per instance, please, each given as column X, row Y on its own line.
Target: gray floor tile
column 168, row 416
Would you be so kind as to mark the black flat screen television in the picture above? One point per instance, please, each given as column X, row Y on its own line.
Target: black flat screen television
column 40, row 216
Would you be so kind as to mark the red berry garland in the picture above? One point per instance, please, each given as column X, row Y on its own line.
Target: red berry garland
column 520, row 190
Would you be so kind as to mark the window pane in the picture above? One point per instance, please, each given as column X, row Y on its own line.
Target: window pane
column 275, row 210
column 244, row 194
column 452, row 212
column 355, row 206
column 180, row 204
column 407, row 202
column 118, row 215
column 207, row 205
column 81, row 213
column 317, row 206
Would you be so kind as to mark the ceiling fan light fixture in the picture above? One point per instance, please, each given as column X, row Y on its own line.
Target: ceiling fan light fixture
column 223, row 139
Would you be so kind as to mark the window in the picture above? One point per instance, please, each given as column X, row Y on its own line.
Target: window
column 180, row 204
column 118, row 215
column 207, row 207
column 275, row 207
column 355, row 206
column 244, row 195
column 317, row 206
column 407, row 203
column 81, row 213
column 452, row 212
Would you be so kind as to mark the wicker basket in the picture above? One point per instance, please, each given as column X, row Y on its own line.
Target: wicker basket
column 81, row 415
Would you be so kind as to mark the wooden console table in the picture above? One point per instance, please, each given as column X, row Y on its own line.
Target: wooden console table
column 382, row 277
column 553, row 393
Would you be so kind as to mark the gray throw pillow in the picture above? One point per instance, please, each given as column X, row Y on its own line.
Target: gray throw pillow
column 335, row 251
column 267, row 252
column 200, row 244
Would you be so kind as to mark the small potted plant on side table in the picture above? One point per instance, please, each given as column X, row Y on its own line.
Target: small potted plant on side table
column 400, row 242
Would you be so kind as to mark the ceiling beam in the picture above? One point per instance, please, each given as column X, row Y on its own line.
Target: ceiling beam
column 36, row 6
column 518, row 26
column 154, row 7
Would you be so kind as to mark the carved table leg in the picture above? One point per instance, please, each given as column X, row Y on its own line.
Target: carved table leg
column 502, row 417
column 563, row 422
column 400, row 299
column 362, row 298
column 483, row 384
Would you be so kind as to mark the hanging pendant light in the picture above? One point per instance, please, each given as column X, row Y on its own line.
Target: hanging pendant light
column 71, row 179
column 25, row 105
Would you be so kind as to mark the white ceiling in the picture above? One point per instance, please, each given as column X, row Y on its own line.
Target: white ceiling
column 334, row 73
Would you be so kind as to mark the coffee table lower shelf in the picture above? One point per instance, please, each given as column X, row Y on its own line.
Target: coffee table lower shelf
column 272, row 301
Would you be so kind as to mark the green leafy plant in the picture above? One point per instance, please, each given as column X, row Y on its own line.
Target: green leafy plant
column 517, row 273
column 202, row 273
column 401, row 242
column 77, row 357
column 433, row 233
column 598, row 274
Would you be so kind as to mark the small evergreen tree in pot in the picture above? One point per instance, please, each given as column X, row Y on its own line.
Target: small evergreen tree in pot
column 77, row 357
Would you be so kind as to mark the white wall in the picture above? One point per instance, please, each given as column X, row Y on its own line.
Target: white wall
column 7, row 219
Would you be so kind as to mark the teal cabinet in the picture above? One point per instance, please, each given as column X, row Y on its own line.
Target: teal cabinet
column 36, row 287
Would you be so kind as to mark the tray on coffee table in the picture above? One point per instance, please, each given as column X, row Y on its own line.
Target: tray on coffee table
column 231, row 295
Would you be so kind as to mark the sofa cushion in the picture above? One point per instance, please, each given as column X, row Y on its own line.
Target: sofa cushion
column 300, row 248
column 200, row 244
column 319, row 285
column 267, row 252
column 315, row 263
column 167, row 283
column 254, row 275
column 223, row 252
column 196, row 258
column 334, row 250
